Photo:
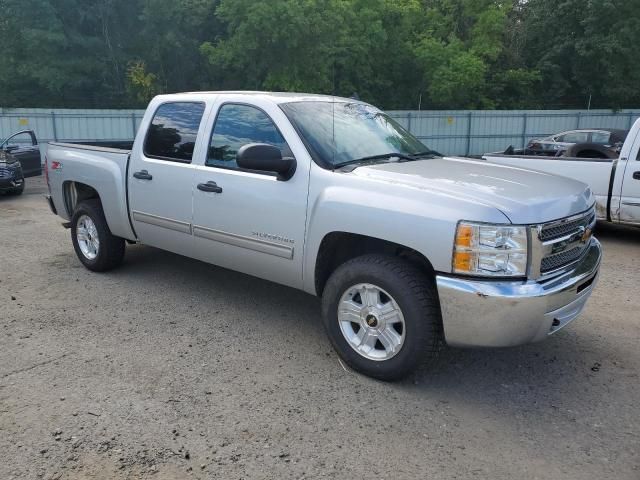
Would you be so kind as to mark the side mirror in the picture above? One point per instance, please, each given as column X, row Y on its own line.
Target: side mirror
column 265, row 158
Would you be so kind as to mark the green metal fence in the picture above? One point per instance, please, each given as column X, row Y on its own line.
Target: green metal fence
column 451, row 132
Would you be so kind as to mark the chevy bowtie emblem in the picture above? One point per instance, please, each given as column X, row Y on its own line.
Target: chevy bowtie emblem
column 586, row 235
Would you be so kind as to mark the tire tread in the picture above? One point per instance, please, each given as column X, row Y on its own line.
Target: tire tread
column 112, row 248
column 420, row 287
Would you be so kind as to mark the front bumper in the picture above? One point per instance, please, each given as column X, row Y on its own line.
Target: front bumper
column 483, row 313
column 10, row 176
column 7, row 184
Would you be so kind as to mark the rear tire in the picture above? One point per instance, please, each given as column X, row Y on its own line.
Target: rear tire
column 96, row 247
column 382, row 316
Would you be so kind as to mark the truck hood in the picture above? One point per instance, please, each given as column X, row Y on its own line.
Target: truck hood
column 524, row 196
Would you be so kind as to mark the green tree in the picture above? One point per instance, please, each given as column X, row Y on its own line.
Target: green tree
column 583, row 49
column 326, row 46
column 449, row 53
column 462, row 52
column 168, row 39
column 142, row 84
column 63, row 52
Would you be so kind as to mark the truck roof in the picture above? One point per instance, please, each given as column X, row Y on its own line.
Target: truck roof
column 277, row 97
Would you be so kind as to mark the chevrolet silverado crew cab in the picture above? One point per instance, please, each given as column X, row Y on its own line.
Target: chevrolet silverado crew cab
column 407, row 249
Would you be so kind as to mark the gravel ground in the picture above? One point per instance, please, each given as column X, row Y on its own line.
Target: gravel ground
column 168, row 368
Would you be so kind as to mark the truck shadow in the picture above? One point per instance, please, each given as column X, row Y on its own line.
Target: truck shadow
column 526, row 377
column 618, row 233
column 218, row 287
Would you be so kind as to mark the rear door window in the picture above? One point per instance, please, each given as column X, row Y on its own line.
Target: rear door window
column 20, row 140
column 173, row 131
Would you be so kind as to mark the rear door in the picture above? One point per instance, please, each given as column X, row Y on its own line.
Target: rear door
column 24, row 147
column 161, row 173
column 254, row 223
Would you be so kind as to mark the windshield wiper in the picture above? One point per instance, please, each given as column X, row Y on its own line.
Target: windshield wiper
column 426, row 153
column 372, row 158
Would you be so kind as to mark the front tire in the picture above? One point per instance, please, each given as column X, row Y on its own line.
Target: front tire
column 96, row 247
column 382, row 316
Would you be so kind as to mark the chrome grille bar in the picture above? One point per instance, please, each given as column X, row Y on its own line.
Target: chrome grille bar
column 557, row 245
column 558, row 230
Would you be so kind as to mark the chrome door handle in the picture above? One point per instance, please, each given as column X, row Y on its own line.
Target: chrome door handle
column 142, row 175
column 210, row 187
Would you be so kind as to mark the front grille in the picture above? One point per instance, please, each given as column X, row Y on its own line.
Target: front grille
column 559, row 230
column 558, row 260
column 563, row 242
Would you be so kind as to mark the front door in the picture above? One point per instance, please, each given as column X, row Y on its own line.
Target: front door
column 161, row 176
column 630, row 197
column 24, row 147
column 252, row 222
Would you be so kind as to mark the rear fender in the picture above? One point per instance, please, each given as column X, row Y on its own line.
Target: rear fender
column 81, row 169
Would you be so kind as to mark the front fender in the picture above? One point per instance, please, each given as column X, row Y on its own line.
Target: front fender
column 408, row 221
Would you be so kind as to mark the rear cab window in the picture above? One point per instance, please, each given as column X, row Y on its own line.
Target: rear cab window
column 173, row 131
column 575, row 137
column 601, row 138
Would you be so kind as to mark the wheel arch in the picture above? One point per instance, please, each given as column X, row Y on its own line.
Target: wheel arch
column 115, row 212
column 590, row 150
column 338, row 247
column 75, row 192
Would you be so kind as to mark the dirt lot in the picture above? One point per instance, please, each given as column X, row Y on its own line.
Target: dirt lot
column 169, row 368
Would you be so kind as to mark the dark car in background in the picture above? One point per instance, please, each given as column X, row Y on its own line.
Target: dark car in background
column 23, row 146
column 19, row 158
column 11, row 175
column 585, row 142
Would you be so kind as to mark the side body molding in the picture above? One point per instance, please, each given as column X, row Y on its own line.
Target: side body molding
column 242, row 241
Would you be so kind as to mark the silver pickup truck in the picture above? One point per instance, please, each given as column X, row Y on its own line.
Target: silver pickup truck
column 407, row 249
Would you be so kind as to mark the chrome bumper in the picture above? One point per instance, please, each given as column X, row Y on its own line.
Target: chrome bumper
column 482, row 313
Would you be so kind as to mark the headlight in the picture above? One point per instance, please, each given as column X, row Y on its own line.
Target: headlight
column 490, row 250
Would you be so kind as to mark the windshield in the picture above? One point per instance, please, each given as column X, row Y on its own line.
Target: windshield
column 338, row 133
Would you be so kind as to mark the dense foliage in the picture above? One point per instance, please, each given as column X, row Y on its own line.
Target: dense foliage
column 394, row 53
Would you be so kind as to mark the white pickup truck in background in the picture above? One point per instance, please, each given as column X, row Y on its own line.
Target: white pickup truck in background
column 614, row 182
